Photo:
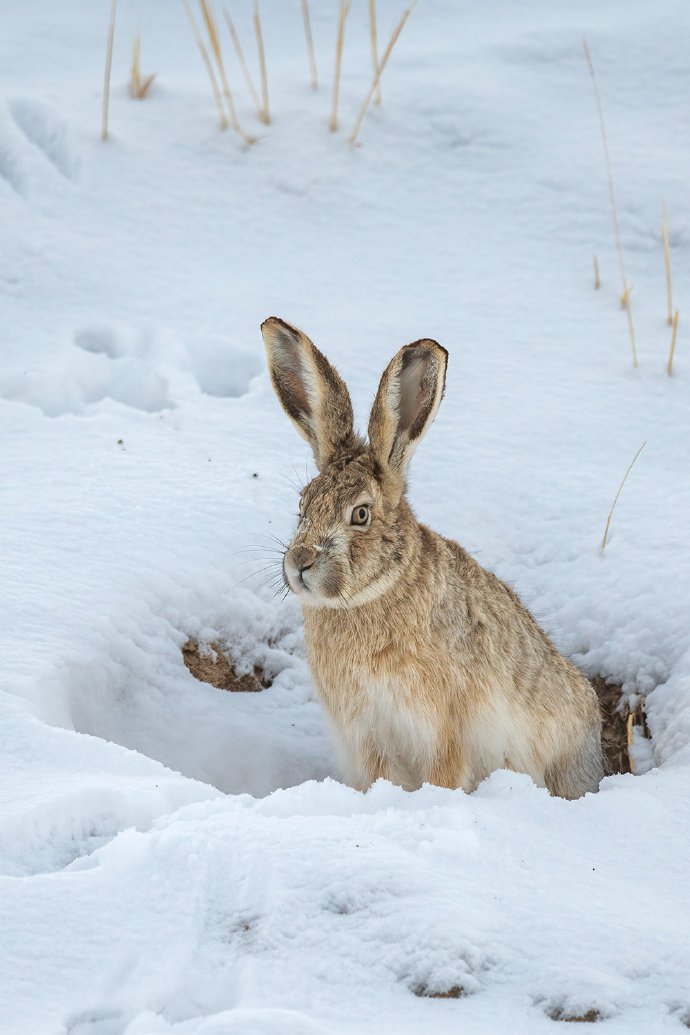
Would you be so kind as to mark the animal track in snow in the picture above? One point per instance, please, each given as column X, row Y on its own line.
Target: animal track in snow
column 43, row 128
column 100, row 340
column 11, row 168
column 103, row 366
column 219, row 369
column 222, row 370
column 97, row 1022
column 48, row 839
column 127, row 366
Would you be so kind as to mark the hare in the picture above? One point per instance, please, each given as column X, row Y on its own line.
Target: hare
column 430, row 668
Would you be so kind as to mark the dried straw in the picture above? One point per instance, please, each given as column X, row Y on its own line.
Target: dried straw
column 310, row 43
column 243, row 64
column 138, row 87
column 265, row 114
column 377, row 78
column 214, row 38
column 625, row 297
column 374, row 46
column 108, row 66
column 340, row 39
column 209, row 67
column 630, row 736
column 620, row 489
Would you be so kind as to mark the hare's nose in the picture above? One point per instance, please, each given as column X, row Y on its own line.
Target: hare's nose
column 303, row 557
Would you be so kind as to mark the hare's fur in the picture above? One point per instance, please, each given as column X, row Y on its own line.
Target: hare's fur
column 430, row 668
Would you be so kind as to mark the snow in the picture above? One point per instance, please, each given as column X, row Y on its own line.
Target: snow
column 174, row 858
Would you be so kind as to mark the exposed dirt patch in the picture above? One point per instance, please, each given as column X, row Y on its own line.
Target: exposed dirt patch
column 558, row 1014
column 455, row 992
column 618, row 724
column 212, row 665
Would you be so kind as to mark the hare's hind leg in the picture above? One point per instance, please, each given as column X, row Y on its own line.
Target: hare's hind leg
column 361, row 764
column 449, row 769
column 580, row 770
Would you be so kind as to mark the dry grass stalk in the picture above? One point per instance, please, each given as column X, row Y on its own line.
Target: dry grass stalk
column 138, row 87
column 374, row 46
column 265, row 114
column 620, row 489
column 214, row 39
column 625, row 297
column 310, row 43
column 377, row 78
column 667, row 263
column 344, row 11
column 108, row 66
column 629, row 727
column 597, row 279
column 625, row 303
column 669, row 367
column 209, row 67
column 243, row 64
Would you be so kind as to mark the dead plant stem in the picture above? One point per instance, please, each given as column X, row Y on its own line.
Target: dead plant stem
column 625, row 298
column 620, row 489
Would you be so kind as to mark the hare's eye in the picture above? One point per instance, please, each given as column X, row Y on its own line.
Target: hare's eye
column 360, row 515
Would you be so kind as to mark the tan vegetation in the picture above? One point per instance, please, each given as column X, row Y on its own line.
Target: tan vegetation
column 310, row 44
column 139, row 85
column 379, row 72
column 620, row 489
column 108, row 67
column 625, row 297
column 340, row 39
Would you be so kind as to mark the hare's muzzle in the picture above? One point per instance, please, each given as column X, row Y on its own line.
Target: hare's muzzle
column 296, row 562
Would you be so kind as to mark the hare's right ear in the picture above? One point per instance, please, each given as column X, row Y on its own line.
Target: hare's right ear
column 310, row 390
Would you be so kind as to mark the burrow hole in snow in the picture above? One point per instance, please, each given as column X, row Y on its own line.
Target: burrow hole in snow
column 158, row 683
column 209, row 663
column 623, row 722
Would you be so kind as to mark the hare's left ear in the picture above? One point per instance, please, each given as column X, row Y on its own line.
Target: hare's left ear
column 310, row 390
column 406, row 403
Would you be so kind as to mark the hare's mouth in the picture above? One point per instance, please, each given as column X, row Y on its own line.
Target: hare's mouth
column 297, row 579
column 296, row 582
column 318, row 582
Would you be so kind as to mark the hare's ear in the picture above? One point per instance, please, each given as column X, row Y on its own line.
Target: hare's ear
column 310, row 390
column 406, row 403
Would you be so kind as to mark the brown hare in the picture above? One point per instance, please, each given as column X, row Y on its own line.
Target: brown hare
column 430, row 668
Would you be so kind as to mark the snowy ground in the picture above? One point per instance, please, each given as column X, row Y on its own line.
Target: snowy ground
column 151, row 882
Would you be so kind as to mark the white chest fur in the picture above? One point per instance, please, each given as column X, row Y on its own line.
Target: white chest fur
column 384, row 731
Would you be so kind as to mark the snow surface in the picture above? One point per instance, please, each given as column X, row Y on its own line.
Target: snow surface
column 178, row 859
